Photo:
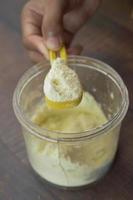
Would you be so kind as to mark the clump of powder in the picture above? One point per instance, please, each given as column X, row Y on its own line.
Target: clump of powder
column 62, row 83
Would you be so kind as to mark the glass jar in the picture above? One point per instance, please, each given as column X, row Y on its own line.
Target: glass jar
column 73, row 159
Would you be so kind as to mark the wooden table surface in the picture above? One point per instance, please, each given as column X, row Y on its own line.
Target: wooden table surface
column 109, row 37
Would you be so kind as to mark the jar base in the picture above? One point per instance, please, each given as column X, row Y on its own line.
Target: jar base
column 92, row 182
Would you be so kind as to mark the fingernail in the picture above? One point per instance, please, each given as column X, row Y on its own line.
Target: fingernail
column 54, row 42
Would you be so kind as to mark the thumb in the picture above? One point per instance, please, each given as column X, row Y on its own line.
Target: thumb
column 52, row 24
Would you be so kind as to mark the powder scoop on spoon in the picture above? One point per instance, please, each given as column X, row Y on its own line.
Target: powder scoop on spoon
column 62, row 87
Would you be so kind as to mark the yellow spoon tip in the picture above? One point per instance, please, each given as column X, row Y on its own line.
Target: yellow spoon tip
column 62, row 52
column 63, row 105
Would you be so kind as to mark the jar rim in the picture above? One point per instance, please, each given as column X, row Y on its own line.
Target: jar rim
column 70, row 137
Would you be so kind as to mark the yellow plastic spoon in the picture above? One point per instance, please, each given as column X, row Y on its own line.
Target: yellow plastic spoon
column 61, row 104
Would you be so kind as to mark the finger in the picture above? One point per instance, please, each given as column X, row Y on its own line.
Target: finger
column 67, row 38
column 35, row 56
column 31, row 31
column 76, row 18
column 75, row 50
column 36, row 43
column 52, row 24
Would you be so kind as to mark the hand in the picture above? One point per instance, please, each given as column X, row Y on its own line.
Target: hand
column 47, row 24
